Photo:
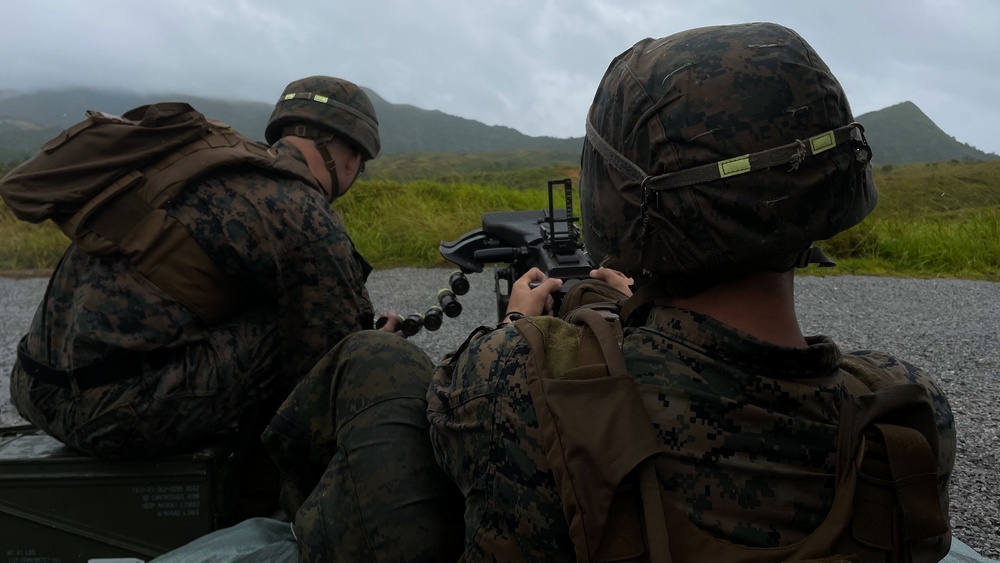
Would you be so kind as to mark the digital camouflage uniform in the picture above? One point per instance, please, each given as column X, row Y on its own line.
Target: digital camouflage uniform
column 749, row 430
column 277, row 236
column 361, row 481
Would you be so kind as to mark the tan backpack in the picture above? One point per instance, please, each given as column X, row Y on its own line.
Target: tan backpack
column 600, row 445
column 106, row 180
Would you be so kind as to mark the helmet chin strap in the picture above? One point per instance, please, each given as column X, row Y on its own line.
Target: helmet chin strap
column 331, row 166
column 321, row 139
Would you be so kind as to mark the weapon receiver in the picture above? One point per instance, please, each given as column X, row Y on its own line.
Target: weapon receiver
column 546, row 239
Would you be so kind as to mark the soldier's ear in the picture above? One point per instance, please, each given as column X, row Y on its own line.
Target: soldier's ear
column 355, row 164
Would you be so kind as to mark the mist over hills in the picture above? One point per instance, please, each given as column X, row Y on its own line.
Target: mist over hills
column 403, row 128
column 899, row 134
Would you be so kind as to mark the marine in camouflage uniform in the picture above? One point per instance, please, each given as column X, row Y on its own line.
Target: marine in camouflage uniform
column 178, row 379
column 714, row 158
column 359, row 478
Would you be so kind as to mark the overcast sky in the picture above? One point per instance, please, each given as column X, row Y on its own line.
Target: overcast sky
column 528, row 64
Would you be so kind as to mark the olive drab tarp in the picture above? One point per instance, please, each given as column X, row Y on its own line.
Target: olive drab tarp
column 107, row 180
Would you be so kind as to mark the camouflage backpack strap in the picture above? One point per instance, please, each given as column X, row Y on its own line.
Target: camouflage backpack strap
column 131, row 219
column 593, row 293
column 162, row 251
column 688, row 542
column 886, row 505
column 597, row 432
column 600, row 445
column 105, row 181
column 94, row 159
column 898, row 506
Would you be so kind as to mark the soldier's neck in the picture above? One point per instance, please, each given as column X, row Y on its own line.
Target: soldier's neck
column 761, row 304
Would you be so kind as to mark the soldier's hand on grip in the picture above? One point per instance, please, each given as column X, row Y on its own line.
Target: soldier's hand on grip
column 531, row 294
column 614, row 278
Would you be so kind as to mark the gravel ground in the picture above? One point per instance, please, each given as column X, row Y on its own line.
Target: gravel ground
column 948, row 327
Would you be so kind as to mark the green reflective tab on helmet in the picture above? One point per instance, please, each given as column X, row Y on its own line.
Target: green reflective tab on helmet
column 734, row 166
column 329, row 105
column 822, row 142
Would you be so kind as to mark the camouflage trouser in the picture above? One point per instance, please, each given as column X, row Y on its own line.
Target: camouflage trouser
column 352, row 443
column 180, row 398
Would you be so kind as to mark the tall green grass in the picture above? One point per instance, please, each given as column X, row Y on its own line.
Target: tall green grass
column 963, row 245
column 392, row 223
column 24, row 246
column 401, row 224
column 932, row 219
column 939, row 219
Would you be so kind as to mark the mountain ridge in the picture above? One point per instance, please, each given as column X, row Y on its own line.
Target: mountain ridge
column 903, row 133
column 899, row 134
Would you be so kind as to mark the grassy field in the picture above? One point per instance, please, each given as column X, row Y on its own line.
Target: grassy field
column 933, row 219
column 938, row 219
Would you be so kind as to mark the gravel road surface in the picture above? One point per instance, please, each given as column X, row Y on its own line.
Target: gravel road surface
column 948, row 327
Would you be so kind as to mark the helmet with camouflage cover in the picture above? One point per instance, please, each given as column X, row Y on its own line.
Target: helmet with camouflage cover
column 324, row 105
column 717, row 152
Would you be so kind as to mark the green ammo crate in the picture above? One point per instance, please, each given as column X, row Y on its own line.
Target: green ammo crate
column 60, row 506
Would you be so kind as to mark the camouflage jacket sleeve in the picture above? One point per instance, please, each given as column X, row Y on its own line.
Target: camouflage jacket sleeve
column 322, row 297
column 485, row 435
column 282, row 238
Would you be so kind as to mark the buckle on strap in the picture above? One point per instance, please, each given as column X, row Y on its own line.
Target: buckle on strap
column 813, row 255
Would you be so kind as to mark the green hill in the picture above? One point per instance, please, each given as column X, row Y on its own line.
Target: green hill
column 404, row 128
column 902, row 134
